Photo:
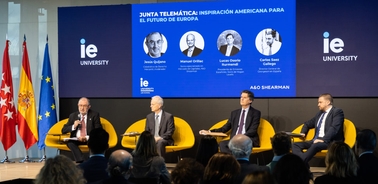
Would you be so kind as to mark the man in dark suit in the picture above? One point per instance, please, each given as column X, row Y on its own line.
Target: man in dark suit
column 154, row 43
column 328, row 124
column 229, row 49
column 241, row 148
column 120, row 162
column 281, row 145
column 242, row 121
column 192, row 50
column 161, row 124
column 85, row 116
column 366, row 142
column 94, row 169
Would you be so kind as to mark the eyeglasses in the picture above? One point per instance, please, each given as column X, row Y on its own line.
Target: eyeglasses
column 151, row 42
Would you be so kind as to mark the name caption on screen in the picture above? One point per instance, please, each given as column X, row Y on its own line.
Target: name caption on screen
column 267, row 61
column 229, row 62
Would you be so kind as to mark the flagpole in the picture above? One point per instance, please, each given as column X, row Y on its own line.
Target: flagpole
column 43, row 159
column 6, row 160
column 26, row 159
column 8, row 121
column 47, row 109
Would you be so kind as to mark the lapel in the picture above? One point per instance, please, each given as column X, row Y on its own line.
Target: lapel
column 328, row 118
column 89, row 121
column 248, row 118
column 161, row 120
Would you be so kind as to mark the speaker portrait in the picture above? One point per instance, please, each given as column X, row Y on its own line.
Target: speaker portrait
column 268, row 42
column 191, row 44
column 229, row 42
column 155, row 44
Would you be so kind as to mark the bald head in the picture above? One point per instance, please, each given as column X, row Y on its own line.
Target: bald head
column 240, row 146
column 119, row 162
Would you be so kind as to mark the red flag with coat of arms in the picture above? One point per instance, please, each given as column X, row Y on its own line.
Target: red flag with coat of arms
column 26, row 116
column 8, row 110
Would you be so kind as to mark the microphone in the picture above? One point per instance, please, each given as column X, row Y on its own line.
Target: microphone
column 79, row 117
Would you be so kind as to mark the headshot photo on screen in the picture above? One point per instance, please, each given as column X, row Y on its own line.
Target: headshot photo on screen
column 155, row 44
column 268, row 42
column 191, row 44
column 229, row 42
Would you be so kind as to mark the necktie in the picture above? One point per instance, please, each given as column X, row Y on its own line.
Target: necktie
column 83, row 128
column 157, row 126
column 241, row 124
column 317, row 130
column 270, row 50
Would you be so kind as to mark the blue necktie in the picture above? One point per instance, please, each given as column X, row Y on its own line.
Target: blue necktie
column 241, row 124
column 318, row 126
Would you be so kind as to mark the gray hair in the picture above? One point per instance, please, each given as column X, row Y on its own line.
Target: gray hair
column 240, row 146
column 158, row 99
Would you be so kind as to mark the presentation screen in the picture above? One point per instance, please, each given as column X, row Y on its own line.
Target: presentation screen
column 336, row 48
column 94, row 51
column 217, row 49
column 214, row 49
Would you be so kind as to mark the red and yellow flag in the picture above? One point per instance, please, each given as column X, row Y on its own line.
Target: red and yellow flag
column 7, row 108
column 27, row 116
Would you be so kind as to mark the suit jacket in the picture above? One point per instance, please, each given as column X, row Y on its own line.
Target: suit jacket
column 196, row 51
column 93, row 121
column 95, row 168
column 166, row 128
column 161, row 54
column 246, row 167
column 368, row 170
column 117, row 180
column 333, row 129
column 223, row 50
column 153, row 167
column 252, row 122
column 329, row 179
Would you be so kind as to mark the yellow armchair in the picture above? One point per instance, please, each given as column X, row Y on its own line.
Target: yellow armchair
column 54, row 137
column 265, row 131
column 219, row 125
column 183, row 136
column 349, row 135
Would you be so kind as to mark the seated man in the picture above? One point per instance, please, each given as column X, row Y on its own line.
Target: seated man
column 241, row 148
column 80, row 124
column 187, row 171
column 95, row 168
column 328, row 124
column 242, row 121
column 281, row 145
column 120, row 162
column 161, row 124
column 366, row 142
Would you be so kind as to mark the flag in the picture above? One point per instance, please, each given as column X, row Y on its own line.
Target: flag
column 26, row 116
column 8, row 110
column 47, row 113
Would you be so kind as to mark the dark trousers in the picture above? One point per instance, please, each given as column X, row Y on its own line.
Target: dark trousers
column 160, row 145
column 223, row 146
column 74, row 147
column 312, row 149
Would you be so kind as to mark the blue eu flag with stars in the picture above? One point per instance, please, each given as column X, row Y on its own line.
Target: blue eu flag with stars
column 47, row 109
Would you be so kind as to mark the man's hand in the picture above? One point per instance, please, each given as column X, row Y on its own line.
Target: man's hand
column 203, row 132
column 303, row 137
column 77, row 123
column 318, row 140
column 157, row 138
column 82, row 139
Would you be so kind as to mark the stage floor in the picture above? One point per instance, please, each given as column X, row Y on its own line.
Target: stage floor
column 10, row 171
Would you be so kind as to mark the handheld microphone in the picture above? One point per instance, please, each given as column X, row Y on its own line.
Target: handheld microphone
column 79, row 117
